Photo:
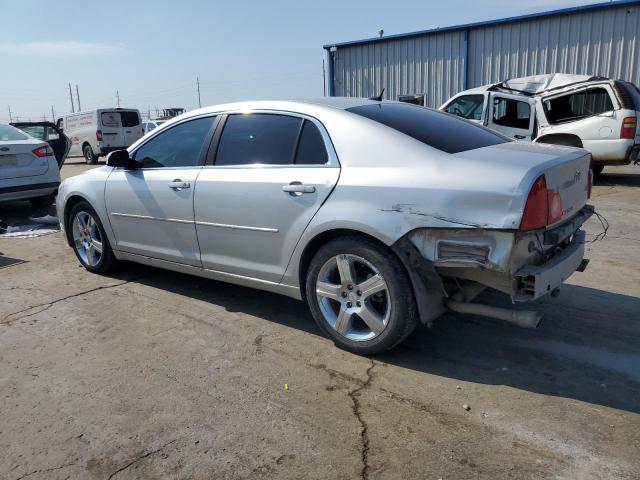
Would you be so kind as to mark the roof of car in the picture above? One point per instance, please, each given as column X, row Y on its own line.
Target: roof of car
column 538, row 84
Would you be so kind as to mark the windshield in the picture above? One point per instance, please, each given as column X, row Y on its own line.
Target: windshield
column 9, row 133
column 438, row 130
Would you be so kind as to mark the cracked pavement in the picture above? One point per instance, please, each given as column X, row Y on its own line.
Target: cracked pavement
column 154, row 374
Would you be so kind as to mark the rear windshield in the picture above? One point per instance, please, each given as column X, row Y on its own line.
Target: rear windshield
column 438, row 130
column 110, row 119
column 8, row 133
column 120, row 119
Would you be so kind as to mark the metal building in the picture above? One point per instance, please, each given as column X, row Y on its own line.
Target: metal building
column 598, row 39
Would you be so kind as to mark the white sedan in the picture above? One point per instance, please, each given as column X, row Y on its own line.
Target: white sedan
column 28, row 168
column 377, row 214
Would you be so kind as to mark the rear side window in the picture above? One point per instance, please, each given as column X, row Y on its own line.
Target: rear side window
column 8, row 133
column 436, row 129
column 258, row 138
column 130, row 119
column 467, row 106
column 178, row 146
column 576, row 106
column 311, row 149
column 511, row 113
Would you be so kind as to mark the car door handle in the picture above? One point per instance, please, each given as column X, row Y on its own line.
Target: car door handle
column 178, row 184
column 298, row 188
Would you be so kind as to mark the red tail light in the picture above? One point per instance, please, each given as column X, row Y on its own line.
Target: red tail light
column 536, row 209
column 99, row 135
column 628, row 129
column 590, row 182
column 45, row 151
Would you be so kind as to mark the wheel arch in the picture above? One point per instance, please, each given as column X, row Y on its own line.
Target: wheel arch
column 71, row 202
column 566, row 139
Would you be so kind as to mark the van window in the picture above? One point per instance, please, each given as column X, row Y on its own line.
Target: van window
column 467, row 106
column 575, row 106
column 436, row 129
column 110, row 119
column 511, row 113
column 130, row 119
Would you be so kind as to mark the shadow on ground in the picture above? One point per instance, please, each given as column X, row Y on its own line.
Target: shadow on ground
column 610, row 178
column 587, row 349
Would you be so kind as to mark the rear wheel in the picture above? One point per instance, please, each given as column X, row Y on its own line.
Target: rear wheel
column 360, row 295
column 89, row 156
column 43, row 202
column 89, row 240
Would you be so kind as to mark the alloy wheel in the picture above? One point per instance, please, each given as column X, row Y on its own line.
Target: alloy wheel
column 87, row 239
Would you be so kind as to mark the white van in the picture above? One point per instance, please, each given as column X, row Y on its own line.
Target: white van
column 98, row 132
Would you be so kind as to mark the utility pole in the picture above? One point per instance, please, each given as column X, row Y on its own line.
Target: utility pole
column 10, row 117
column 53, row 115
column 198, row 83
column 71, row 97
column 324, row 80
column 78, row 97
column 118, row 97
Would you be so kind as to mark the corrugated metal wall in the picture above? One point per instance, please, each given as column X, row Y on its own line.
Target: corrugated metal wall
column 595, row 42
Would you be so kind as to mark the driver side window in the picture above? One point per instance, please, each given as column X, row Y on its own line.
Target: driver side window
column 178, row 146
column 467, row 106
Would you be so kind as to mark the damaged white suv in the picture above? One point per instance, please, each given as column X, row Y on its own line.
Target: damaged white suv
column 378, row 214
column 594, row 113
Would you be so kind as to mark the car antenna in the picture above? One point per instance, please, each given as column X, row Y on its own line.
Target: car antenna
column 379, row 97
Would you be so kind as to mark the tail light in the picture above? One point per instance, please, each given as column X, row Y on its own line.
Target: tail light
column 628, row 129
column 99, row 135
column 45, row 151
column 543, row 206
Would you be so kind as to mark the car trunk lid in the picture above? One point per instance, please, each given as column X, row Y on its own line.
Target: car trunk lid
column 570, row 179
column 18, row 161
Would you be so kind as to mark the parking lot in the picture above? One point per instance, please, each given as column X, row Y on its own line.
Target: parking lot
column 154, row 374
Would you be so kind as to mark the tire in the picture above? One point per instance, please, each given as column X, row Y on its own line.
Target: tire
column 336, row 308
column 84, row 229
column 89, row 157
column 43, row 202
column 597, row 170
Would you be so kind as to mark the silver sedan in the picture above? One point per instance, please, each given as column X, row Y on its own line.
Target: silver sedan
column 378, row 214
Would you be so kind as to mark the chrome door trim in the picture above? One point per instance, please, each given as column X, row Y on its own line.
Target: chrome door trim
column 239, row 227
column 146, row 217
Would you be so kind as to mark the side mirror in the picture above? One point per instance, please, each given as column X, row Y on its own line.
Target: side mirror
column 120, row 159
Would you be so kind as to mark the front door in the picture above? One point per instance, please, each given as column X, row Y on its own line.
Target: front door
column 151, row 207
column 511, row 115
column 272, row 173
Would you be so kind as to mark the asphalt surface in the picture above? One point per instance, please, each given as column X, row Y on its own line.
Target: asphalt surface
column 153, row 374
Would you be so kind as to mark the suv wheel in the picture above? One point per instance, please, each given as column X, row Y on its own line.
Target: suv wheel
column 90, row 242
column 89, row 156
column 360, row 295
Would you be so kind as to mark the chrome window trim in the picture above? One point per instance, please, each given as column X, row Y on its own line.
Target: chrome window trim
column 333, row 161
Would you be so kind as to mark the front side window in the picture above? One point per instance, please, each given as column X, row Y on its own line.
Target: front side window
column 436, row 129
column 578, row 105
column 467, row 106
column 511, row 113
column 258, row 138
column 179, row 146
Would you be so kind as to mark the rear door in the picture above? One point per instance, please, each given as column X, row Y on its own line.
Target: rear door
column 511, row 115
column 271, row 173
column 110, row 124
column 131, row 125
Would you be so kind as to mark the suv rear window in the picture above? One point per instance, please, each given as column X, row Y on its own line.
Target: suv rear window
column 438, row 130
column 578, row 105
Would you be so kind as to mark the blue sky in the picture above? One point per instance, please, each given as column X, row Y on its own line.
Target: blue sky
column 152, row 52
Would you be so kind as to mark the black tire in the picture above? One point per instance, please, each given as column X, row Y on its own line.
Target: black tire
column 597, row 170
column 89, row 157
column 43, row 202
column 403, row 317
column 107, row 261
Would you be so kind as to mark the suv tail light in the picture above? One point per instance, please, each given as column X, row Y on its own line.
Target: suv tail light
column 45, row 151
column 628, row 129
column 99, row 135
column 543, row 206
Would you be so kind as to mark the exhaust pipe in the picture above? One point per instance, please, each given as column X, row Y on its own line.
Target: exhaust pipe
column 522, row 318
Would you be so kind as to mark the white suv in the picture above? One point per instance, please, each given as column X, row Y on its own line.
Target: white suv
column 594, row 113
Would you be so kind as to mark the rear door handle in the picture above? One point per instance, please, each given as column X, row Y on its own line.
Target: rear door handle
column 178, row 184
column 298, row 188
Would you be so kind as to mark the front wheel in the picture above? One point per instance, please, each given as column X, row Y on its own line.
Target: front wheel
column 89, row 157
column 360, row 295
column 90, row 242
